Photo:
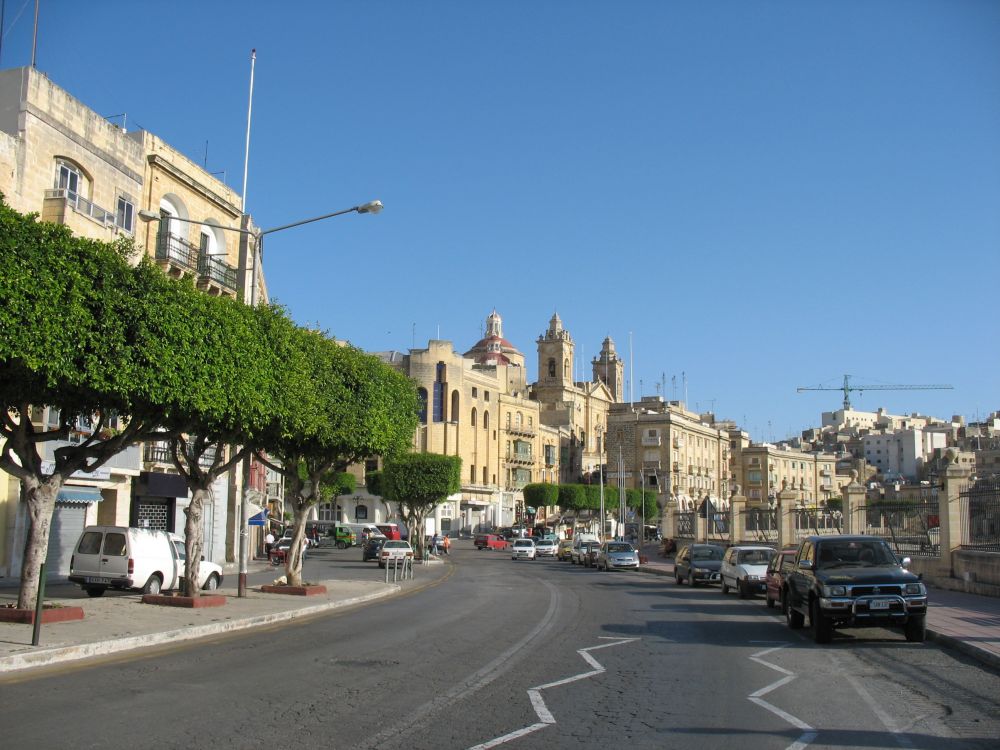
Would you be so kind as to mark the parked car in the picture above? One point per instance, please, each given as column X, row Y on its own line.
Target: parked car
column 579, row 540
column 744, row 568
column 617, row 555
column 588, row 553
column 564, row 550
column 343, row 537
column 393, row 530
column 372, row 548
column 522, row 549
column 394, row 549
column 490, row 541
column 123, row 557
column 545, row 547
column 841, row 581
column 698, row 563
column 779, row 566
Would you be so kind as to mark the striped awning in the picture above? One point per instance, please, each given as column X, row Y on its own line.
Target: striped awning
column 79, row 495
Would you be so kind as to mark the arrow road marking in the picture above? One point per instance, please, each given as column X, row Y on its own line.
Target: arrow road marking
column 545, row 717
column 808, row 733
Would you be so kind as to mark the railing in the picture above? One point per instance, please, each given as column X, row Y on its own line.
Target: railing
column 684, row 524
column 980, row 511
column 653, row 441
column 910, row 528
column 212, row 269
column 808, row 521
column 160, row 453
column 521, row 430
column 520, row 457
column 82, row 206
column 760, row 525
column 176, row 250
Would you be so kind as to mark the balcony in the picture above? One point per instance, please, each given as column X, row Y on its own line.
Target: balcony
column 160, row 453
column 651, row 465
column 520, row 457
column 179, row 258
column 653, row 441
column 58, row 201
column 521, row 430
column 676, row 466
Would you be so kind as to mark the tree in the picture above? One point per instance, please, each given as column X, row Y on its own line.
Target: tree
column 86, row 333
column 637, row 498
column 541, row 495
column 338, row 406
column 336, row 483
column 419, row 482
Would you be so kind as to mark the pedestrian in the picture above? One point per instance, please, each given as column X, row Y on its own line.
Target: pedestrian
column 268, row 543
column 447, row 544
column 436, row 544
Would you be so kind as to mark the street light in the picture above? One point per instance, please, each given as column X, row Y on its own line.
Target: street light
column 371, row 207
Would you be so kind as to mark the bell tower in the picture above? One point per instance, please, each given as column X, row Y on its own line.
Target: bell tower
column 555, row 355
column 610, row 370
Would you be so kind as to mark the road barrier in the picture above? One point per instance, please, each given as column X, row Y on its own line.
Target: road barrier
column 402, row 569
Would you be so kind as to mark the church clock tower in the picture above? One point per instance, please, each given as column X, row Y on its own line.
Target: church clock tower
column 555, row 356
column 610, row 370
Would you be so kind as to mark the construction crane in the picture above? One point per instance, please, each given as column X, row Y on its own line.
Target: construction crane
column 847, row 388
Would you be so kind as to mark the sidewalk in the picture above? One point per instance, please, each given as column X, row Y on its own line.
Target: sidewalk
column 120, row 621
column 965, row 622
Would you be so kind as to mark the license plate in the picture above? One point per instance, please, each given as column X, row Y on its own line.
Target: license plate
column 879, row 604
column 94, row 579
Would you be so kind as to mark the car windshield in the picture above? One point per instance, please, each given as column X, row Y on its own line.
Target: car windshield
column 524, row 543
column 755, row 557
column 843, row 554
column 619, row 547
column 706, row 553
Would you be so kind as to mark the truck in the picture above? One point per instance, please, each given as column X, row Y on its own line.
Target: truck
column 841, row 581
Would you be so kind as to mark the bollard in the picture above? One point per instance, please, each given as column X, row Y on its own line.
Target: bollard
column 36, row 630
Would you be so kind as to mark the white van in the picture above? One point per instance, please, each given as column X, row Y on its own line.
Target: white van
column 578, row 541
column 364, row 530
column 122, row 557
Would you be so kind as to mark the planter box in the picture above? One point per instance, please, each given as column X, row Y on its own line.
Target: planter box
column 311, row 590
column 49, row 615
column 191, row 602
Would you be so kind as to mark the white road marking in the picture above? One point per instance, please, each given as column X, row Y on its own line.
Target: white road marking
column 808, row 733
column 545, row 716
column 887, row 721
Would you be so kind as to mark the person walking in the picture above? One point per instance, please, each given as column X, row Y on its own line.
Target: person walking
column 447, row 544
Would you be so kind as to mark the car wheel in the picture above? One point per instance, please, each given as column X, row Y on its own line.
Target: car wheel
column 741, row 587
column 916, row 629
column 341, row 544
column 212, row 583
column 678, row 580
column 152, row 585
column 822, row 626
column 794, row 618
column 690, row 580
column 724, row 586
column 95, row 591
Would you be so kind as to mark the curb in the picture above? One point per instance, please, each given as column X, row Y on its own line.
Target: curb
column 35, row 659
column 969, row 649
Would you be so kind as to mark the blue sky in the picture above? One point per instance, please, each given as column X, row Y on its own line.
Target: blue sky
column 759, row 195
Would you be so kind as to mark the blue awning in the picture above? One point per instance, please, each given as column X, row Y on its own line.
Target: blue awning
column 83, row 495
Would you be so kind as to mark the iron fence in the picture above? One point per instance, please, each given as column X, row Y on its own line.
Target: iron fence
column 684, row 524
column 760, row 525
column 979, row 503
column 809, row 521
column 911, row 529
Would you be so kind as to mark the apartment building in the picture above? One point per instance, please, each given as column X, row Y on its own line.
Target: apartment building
column 65, row 162
column 762, row 470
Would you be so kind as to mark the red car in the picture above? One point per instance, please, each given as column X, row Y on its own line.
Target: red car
column 490, row 541
column 777, row 569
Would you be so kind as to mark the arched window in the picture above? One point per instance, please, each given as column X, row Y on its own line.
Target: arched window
column 518, row 420
column 508, row 420
column 453, row 417
column 486, row 420
column 472, row 474
column 552, row 368
column 473, row 416
column 422, row 409
column 361, row 513
column 484, row 476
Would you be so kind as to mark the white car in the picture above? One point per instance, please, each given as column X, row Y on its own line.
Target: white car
column 394, row 549
column 523, row 549
column 546, row 547
column 744, row 568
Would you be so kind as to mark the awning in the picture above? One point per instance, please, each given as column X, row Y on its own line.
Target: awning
column 471, row 503
column 79, row 495
column 258, row 519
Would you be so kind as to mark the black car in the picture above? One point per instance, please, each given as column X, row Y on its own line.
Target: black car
column 698, row 563
column 842, row 581
column 372, row 548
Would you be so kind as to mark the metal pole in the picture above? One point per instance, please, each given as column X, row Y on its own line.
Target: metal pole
column 241, row 586
column 37, row 625
column 246, row 152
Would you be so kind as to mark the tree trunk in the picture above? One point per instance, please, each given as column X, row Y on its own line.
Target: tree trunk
column 194, row 541
column 40, row 497
column 293, row 561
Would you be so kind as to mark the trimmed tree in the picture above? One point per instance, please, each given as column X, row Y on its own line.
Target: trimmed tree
column 86, row 333
column 418, row 482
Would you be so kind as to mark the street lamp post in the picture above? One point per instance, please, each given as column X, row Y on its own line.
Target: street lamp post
column 371, row 207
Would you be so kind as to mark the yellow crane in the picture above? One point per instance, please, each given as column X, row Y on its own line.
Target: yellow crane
column 847, row 388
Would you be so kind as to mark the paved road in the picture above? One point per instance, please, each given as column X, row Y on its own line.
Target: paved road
column 547, row 654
